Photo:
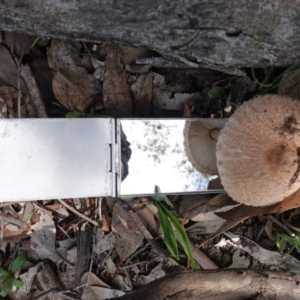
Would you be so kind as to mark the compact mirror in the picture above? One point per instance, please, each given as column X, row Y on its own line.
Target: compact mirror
column 166, row 153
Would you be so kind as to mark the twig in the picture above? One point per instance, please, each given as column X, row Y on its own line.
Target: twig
column 66, row 234
column 91, row 262
column 78, row 213
column 283, row 226
column 12, row 220
column 135, row 264
column 34, row 91
column 45, row 293
column 7, row 204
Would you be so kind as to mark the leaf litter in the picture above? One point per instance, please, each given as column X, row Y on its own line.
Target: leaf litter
column 96, row 248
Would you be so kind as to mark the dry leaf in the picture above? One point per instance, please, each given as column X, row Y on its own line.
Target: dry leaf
column 14, row 234
column 28, row 279
column 130, row 54
column 264, row 256
column 21, row 43
column 128, row 237
column 3, row 109
column 142, row 92
column 137, row 69
column 63, row 56
column 93, row 280
column 156, row 273
column 100, row 293
column 207, row 223
column 244, row 211
column 218, row 202
column 48, row 281
column 8, row 70
column 121, row 283
column 97, row 289
column 239, row 260
column 228, row 224
column 162, row 100
column 43, row 238
column 104, row 242
column 69, row 95
column 67, row 273
column 116, row 93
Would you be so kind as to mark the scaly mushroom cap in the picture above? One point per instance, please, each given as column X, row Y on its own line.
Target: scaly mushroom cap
column 258, row 151
column 200, row 139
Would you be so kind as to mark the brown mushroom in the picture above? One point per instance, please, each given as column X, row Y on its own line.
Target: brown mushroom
column 200, row 139
column 258, row 151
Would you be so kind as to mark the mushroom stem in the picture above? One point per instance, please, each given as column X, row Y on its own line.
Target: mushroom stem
column 214, row 133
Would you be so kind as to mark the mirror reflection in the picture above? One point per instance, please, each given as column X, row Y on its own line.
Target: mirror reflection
column 177, row 155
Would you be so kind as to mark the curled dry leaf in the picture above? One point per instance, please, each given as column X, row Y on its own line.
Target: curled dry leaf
column 128, row 237
column 63, row 56
column 116, row 93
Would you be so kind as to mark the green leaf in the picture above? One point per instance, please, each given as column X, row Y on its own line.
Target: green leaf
column 194, row 265
column 3, row 273
column 18, row 283
column 168, row 233
column 215, row 92
column 3, row 293
column 34, row 42
column 161, row 198
column 75, row 114
column 124, row 198
column 18, row 262
column 157, row 189
column 181, row 234
column 6, row 286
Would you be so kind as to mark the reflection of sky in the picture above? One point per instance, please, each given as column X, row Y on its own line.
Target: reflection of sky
column 172, row 172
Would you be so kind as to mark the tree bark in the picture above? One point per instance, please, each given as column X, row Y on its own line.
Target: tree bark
column 222, row 285
column 216, row 34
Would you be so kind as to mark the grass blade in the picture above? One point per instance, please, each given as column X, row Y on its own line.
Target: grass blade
column 182, row 236
column 161, row 198
column 167, row 230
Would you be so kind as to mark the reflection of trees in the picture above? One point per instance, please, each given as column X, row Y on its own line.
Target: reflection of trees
column 164, row 140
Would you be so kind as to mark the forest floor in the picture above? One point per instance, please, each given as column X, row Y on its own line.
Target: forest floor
column 99, row 248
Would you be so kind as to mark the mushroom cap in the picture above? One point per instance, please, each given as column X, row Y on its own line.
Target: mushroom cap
column 258, row 151
column 200, row 143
